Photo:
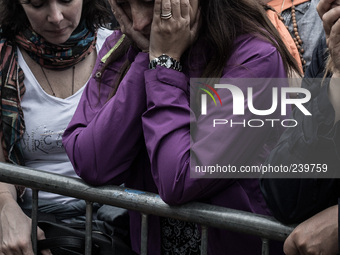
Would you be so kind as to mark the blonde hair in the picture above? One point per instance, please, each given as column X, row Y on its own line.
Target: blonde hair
column 329, row 68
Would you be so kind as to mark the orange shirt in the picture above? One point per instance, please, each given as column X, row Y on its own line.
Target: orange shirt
column 277, row 4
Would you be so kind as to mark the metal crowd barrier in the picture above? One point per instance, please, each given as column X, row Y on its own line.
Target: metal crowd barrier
column 146, row 203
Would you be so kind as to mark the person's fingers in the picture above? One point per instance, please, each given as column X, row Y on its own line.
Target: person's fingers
column 113, row 5
column 289, row 247
column 157, row 11
column 329, row 19
column 41, row 236
column 126, row 26
column 176, row 9
column 17, row 247
column 334, row 36
column 121, row 17
column 26, row 249
column 46, row 252
column 323, row 7
column 166, row 7
column 185, row 9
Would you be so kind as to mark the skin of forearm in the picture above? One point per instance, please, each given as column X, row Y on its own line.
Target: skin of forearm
column 7, row 192
column 334, row 94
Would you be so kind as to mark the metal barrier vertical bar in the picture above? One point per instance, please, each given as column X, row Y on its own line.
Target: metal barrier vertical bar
column 144, row 235
column 88, row 228
column 204, row 240
column 34, row 217
column 265, row 246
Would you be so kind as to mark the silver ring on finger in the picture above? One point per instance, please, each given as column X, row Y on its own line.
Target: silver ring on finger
column 166, row 15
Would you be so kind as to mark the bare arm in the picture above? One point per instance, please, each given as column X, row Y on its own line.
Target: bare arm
column 15, row 226
column 7, row 191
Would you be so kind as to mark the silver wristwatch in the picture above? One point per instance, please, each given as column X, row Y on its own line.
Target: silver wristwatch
column 166, row 61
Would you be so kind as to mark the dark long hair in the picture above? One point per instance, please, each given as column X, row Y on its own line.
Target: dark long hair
column 228, row 19
column 14, row 20
column 222, row 21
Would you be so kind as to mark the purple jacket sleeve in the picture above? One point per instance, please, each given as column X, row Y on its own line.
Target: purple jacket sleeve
column 167, row 120
column 104, row 136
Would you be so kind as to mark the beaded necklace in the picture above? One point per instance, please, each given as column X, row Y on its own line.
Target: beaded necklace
column 295, row 35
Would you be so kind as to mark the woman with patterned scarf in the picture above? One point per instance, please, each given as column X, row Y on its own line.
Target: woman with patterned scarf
column 48, row 49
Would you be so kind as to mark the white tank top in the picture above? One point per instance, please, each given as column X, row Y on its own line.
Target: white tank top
column 46, row 117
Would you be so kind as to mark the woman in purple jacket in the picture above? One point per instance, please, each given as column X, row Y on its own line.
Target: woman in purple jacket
column 132, row 124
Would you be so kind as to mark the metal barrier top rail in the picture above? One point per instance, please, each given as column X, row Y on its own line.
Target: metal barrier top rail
column 146, row 202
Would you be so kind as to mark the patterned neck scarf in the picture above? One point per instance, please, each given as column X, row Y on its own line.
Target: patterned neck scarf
column 58, row 57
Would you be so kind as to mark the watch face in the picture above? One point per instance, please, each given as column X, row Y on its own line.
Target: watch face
column 168, row 63
column 165, row 61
